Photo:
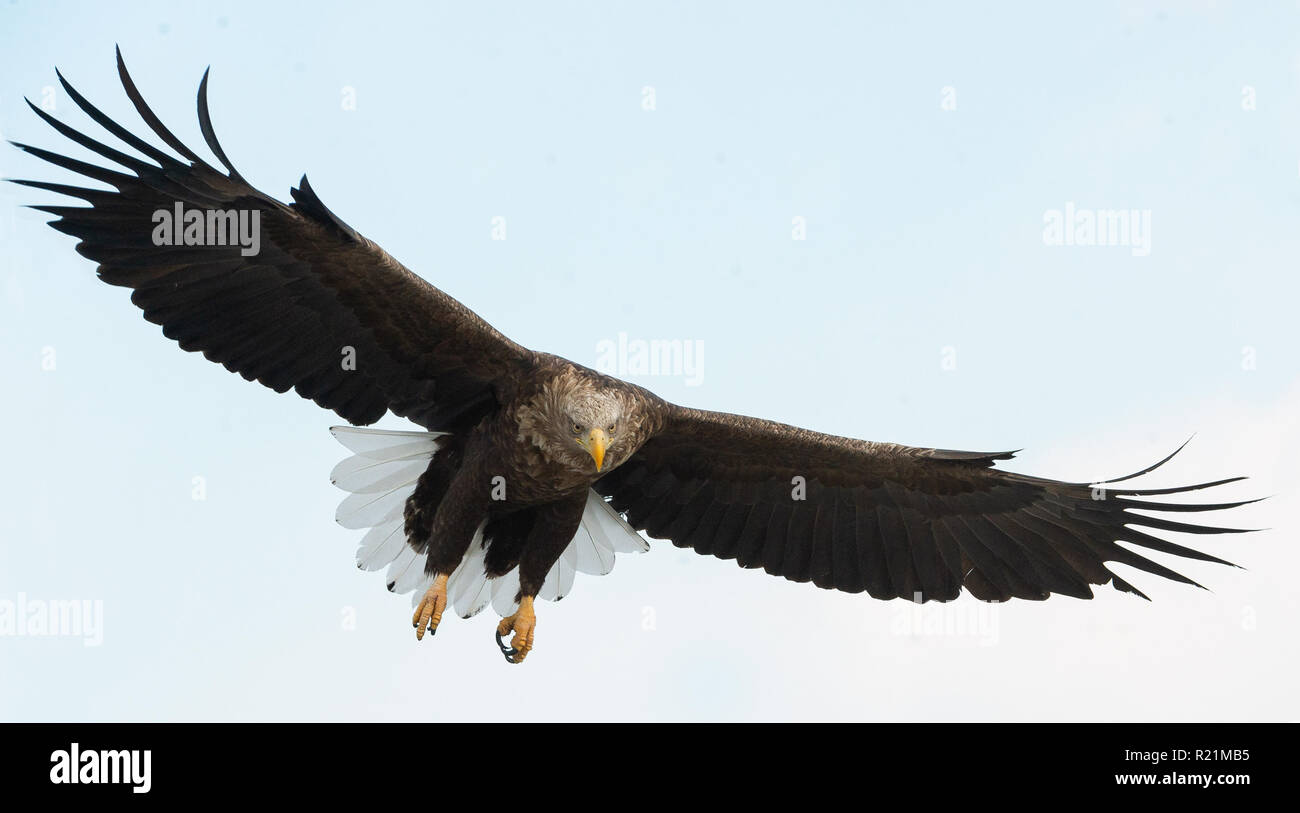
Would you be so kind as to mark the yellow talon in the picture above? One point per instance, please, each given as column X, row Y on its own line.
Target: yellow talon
column 522, row 623
column 429, row 613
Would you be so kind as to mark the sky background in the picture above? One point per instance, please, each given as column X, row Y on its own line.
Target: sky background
column 923, row 307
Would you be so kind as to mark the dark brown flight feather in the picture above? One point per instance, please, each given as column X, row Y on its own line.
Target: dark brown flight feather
column 284, row 316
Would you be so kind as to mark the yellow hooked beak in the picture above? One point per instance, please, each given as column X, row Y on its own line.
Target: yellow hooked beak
column 596, row 446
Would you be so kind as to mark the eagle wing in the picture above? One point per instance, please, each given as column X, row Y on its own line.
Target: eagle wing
column 318, row 308
column 896, row 521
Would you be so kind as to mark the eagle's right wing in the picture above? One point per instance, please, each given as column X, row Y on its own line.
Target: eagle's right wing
column 895, row 521
column 318, row 308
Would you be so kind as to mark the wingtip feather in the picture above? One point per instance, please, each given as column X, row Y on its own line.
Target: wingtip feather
column 209, row 134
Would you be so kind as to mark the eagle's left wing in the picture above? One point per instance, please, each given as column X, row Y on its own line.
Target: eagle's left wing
column 306, row 303
column 896, row 521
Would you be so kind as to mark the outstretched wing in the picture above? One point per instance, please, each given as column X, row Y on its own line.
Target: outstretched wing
column 318, row 308
column 892, row 520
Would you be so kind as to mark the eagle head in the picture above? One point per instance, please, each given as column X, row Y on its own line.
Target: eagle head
column 579, row 423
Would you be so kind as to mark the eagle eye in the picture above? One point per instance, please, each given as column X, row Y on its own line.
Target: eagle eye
column 577, row 429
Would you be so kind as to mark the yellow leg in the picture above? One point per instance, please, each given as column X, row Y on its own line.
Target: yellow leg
column 522, row 623
column 429, row 613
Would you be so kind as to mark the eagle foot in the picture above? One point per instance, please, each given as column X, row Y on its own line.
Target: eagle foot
column 429, row 613
column 522, row 623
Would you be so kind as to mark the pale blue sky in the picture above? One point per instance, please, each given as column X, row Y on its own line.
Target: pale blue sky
column 924, row 232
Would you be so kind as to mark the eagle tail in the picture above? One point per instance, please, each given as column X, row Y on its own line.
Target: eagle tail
column 382, row 474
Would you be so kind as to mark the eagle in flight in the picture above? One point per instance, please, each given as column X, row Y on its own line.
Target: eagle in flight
column 532, row 467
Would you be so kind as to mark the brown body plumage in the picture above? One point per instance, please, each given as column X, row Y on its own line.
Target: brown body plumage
column 519, row 470
column 846, row 514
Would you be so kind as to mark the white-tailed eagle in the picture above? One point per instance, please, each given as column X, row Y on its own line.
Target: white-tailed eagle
column 532, row 467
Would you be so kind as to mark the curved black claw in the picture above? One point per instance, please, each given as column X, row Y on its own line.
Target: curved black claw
column 509, row 652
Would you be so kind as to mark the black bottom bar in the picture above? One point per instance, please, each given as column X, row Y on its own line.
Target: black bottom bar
column 412, row 765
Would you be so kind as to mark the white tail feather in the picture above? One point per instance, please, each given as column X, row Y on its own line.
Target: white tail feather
column 592, row 557
column 382, row 474
column 504, row 590
column 368, row 510
column 369, row 442
column 607, row 525
column 560, row 580
column 365, row 475
column 405, row 572
column 381, row 544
